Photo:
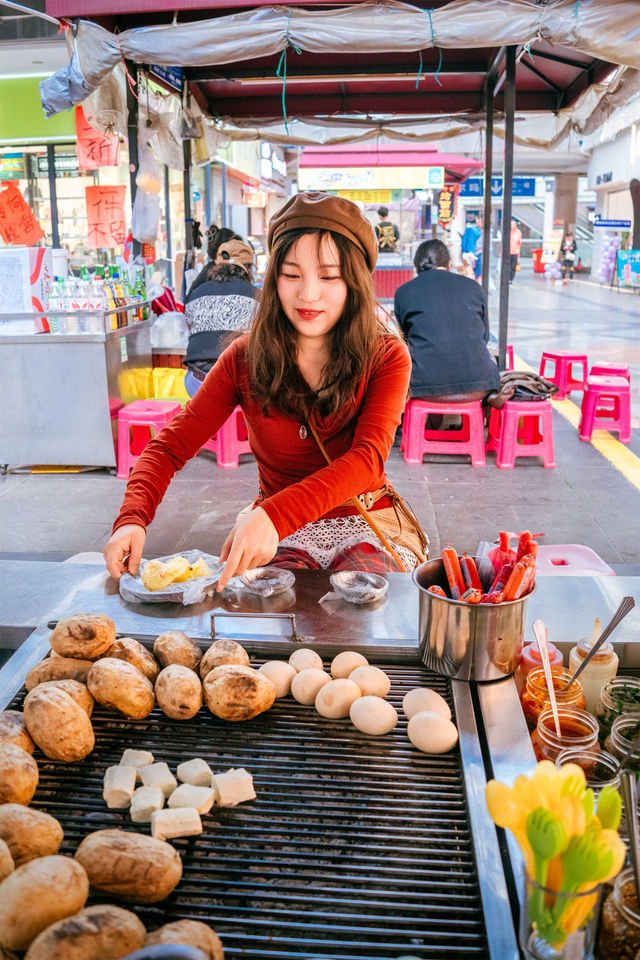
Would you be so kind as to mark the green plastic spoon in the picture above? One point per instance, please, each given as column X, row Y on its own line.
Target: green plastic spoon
column 547, row 838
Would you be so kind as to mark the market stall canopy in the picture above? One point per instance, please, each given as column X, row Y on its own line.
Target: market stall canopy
column 395, row 156
column 391, row 64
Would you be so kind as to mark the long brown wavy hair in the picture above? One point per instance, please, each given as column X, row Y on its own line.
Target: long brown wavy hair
column 354, row 341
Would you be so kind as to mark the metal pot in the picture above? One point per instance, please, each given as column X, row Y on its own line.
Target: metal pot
column 467, row 641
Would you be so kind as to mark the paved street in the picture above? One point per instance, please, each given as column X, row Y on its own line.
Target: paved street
column 590, row 498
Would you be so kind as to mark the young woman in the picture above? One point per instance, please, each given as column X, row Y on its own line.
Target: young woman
column 322, row 388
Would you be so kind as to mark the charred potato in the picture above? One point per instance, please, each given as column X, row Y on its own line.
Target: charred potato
column 134, row 652
column 131, row 866
column 76, row 690
column 191, row 933
column 84, row 635
column 58, row 668
column 7, row 864
column 100, row 932
column 236, row 692
column 29, row 833
column 13, row 730
column 173, row 646
column 223, row 651
column 119, row 685
column 178, row 692
column 38, row 894
column 18, row 774
column 59, row 726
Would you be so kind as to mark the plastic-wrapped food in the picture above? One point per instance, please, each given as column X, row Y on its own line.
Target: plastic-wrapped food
column 133, row 590
column 357, row 586
column 267, row 581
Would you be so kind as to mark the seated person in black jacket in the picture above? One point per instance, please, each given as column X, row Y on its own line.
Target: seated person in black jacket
column 445, row 321
column 215, row 238
column 222, row 304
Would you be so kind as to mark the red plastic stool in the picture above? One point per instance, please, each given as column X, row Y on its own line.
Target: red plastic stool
column 514, row 431
column 509, row 357
column 417, row 440
column 230, row 441
column 606, row 405
column 563, row 361
column 610, row 370
column 149, row 416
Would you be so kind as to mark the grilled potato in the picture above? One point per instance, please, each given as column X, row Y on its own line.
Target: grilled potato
column 119, row 685
column 134, row 652
column 84, row 635
column 130, row 866
column 7, row 864
column 18, row 774
column 191, row 933
column 59, row 726
column 29, row 833
column 76, row 690
column 38, row 894
column 13, row 730
column 178, row 692
column 222, row 651
column 100, row 932
column 236, row 692
column 173, row 646
column 58, row 668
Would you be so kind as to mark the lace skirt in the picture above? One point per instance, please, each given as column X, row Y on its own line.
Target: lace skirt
column 324, row 539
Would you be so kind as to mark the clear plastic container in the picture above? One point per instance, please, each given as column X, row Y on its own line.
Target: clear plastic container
column 624, row 731
column 578, row 729
column 620, row 922
column 531, row 660
column 603, row 666
column 535, row 696
column 600, row 768
column 618, row 696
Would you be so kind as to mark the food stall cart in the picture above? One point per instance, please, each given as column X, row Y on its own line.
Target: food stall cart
column 70, row 386
column 356, row 847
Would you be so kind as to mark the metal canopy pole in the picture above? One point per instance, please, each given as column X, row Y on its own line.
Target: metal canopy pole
column 132, row 132
column 167, row 222
column 53, row 195
column 186, row 186
column 488, row 169
column 507, row 188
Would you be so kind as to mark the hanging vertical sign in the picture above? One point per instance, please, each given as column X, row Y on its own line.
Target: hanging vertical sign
column 18, row 224
column 447, row 204
column 95, row 149
column 105, row 216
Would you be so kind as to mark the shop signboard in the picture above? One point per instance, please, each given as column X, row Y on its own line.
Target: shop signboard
column 12, row 166
column 65, row 165
column 93, row 148
column 447, row 204
column 254, row 198
column 18, row 224
column 522, row 187
column 628, row 268
column 366, row 196
column 172, row 76
column 105, row 216
column 370, row 178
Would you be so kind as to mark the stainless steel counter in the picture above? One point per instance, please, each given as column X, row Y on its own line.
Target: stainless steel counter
column 59, row 392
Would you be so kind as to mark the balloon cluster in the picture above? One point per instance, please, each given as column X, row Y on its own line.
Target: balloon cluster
column 553, row 270
column 609, row 252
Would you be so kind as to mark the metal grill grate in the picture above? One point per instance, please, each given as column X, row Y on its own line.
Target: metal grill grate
column 356, row 848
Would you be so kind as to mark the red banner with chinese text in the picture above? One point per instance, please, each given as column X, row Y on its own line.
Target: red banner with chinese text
column 448, row 204
column 95, row 149
column 18, row 225
column 105, row 216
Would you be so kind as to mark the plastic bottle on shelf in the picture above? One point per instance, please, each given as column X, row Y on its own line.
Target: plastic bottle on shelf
column 531, row 660
column 603, row 666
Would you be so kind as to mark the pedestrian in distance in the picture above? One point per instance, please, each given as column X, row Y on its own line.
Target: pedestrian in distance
column 515, row 246
column 472, row 240
column 568, row 249
column 386, row 232
column 322, row 385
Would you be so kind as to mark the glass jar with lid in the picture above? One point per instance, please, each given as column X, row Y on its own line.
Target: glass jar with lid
column 578, row 729
column 620, row 923
column 603, row 666
column 618, row 696
column 624, row 731
column 535, row 695
column 601, row 769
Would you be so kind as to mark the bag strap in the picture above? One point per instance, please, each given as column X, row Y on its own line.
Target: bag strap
column 361, row 510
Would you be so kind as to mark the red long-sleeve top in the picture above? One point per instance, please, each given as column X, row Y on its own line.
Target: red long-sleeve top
column 296, row 483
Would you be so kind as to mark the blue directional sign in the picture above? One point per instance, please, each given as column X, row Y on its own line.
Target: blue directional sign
column 612, row 224
column 522, row 187
column 171, row 75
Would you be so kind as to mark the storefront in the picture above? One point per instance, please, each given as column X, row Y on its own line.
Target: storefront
column 611, row 168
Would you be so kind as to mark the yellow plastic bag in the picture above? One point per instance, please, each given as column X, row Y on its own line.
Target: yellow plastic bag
column 169, row 382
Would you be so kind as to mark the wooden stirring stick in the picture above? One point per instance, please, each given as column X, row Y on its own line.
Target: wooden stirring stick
column 541, row 636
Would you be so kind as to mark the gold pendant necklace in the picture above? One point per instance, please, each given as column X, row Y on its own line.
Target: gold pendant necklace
column 302, row 432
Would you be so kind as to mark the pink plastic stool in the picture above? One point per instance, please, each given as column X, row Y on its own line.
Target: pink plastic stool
column 563, row 361
column 610, row 370
column 570, row 560
column 416, row 440
column 514, row 431
column 606, row 405
column 152, row 416
column 230, row 441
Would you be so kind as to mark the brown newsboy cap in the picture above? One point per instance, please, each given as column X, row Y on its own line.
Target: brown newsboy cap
column 321, row 211
column 237, row 251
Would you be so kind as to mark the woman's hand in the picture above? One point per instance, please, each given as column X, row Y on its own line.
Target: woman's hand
column 123, row 552
column 252, row 543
